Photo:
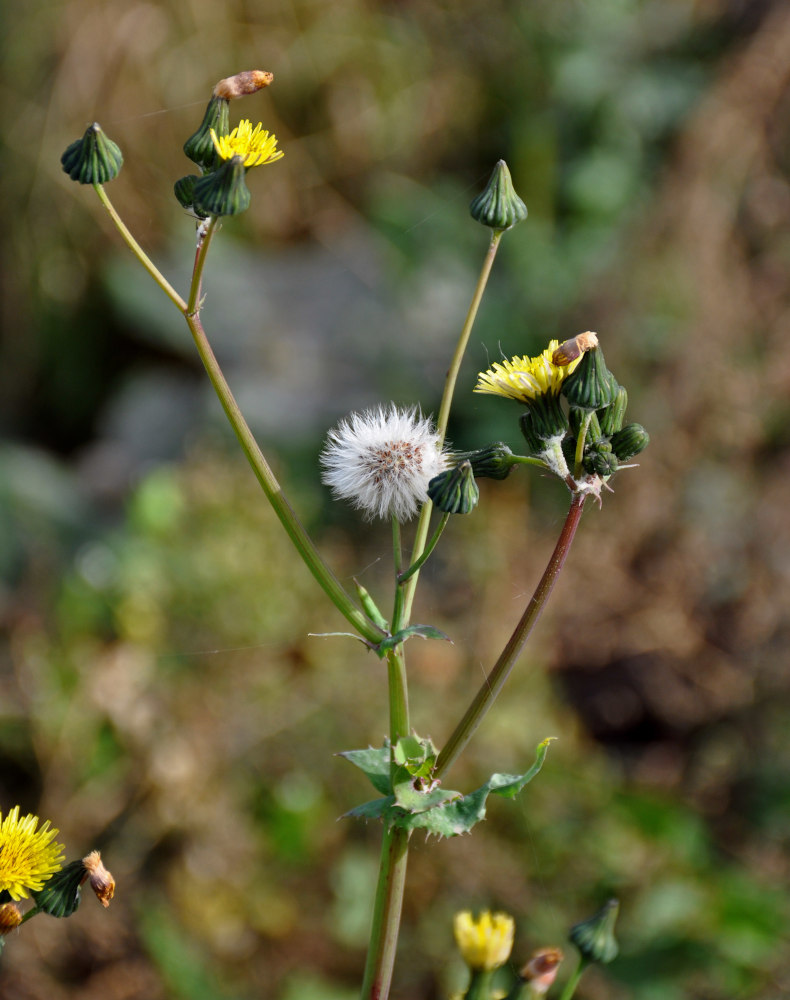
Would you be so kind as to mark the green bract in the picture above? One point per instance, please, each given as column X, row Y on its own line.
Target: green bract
column 93, row 159
column 223, row 192
column 60, row 896
column 200, row 147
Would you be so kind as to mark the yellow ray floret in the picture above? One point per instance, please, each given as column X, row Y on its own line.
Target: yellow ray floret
column 525, row 378
column 485, row 942
column 27, row 856
column 255, row 146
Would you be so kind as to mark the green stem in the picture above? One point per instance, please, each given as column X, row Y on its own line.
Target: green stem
column 480, row 985
column 573, row 982
column 415, row 566
column 204, row 242
column 274, row 494
column 138, row 251
column 398, row 694
column 386, row 914
column 421, row 533
column 580, row 441
column 500, row 672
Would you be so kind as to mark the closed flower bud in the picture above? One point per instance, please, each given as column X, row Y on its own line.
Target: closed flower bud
column 200, row 147
column 590, row 385
column 455, row 490
column 10, row 918
column 600, row 459
column 93, row 159
column 595, row 937
column 541, row 970
column 184, row 190
column 629, row 441
column 492, row 462
column 224, row 191
column 498, row 206
column 612, row 416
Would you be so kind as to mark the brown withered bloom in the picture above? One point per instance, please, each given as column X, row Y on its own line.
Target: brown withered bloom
column 541, row 970
column 10, row 918
column 101, row 881
column 569, row 350
column 241, row 84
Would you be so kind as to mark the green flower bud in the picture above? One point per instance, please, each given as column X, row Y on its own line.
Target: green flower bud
column 199, row 147
column 600, row 459
column 93, row 159
column 628, row 442
column 224, row 191
column 576, row 420
column 60, row 895
column 498, row 206
column 591, row 385
column 184, row 190
column 595, row 937
column 612, row 416
column 455, row 491
column 492, row 462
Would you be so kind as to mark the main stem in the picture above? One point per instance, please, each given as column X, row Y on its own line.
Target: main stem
column 394, row 853
column 500, row 672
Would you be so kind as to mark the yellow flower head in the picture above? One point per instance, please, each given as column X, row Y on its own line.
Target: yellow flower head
column 255, row 146
column 484, row 943
column 27, row 857
column 524, row 379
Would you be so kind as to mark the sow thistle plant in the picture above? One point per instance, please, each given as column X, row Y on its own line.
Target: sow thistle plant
column 392, row 462
column 31, row 866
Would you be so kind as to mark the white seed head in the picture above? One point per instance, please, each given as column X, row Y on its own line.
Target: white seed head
column 382, row 461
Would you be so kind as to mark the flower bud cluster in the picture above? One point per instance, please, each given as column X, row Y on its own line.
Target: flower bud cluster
column 570, row 396
column 225, row 156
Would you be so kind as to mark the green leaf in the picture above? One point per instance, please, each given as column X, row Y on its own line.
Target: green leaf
column 436, row 810
column 409, row 796
column 375, row 809
column 423, row 631
column 416, row 756
column 376, row 765
column 461, row 815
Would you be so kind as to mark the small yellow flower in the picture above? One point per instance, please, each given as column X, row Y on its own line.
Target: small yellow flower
column 27, row 857
column 484, row 943
column 255, row 146
column 524, row 379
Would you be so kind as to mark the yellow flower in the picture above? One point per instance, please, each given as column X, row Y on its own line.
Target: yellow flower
column 484, row 943
column 27, row 856
column 255, row 146
column 524, row 379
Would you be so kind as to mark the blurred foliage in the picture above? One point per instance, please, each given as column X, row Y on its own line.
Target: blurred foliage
column 159, row 696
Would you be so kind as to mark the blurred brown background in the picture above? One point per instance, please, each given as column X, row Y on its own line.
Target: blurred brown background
column 159, row 696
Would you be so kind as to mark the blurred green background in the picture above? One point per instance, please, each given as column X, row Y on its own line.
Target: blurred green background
column 160, row 698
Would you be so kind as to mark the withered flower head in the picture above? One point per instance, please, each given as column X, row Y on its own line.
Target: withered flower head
column 101, row 881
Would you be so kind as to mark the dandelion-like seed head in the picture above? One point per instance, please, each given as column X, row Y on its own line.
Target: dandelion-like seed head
column 255, row 146
column 27, row 856
column 524, row 378
column 485, row 943
column 382, row 461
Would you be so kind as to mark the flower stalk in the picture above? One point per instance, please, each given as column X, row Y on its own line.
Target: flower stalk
column 500, row 672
